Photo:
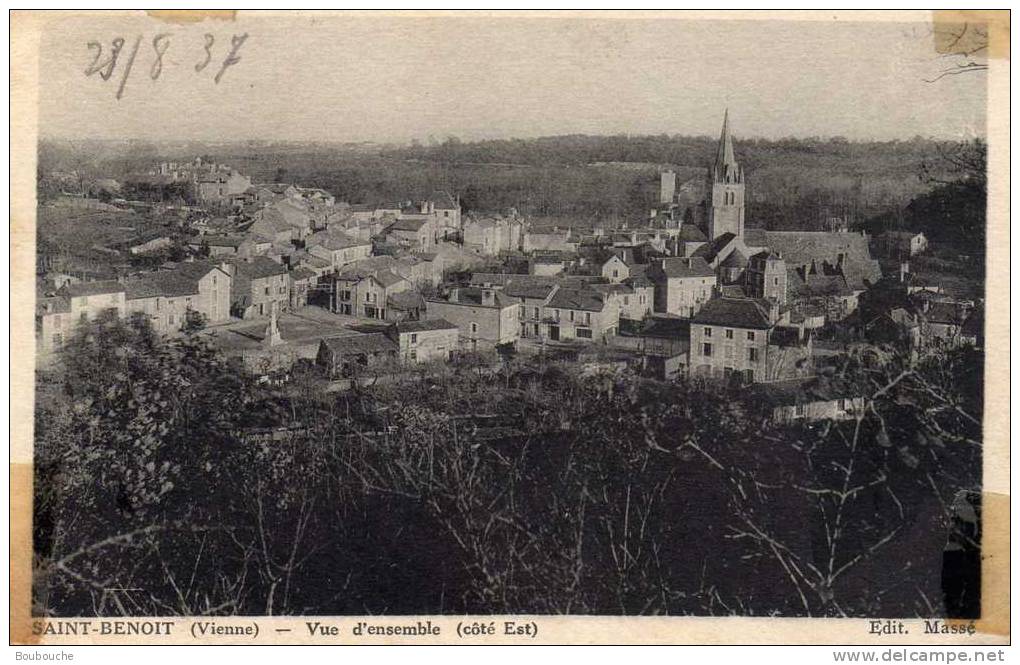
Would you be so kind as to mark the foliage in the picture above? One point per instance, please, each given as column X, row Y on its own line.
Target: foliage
column 168, row 484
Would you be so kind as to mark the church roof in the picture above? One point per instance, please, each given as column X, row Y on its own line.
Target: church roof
column 724, row 156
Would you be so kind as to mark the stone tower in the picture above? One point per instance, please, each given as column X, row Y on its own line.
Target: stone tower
column 667, row 187
column 726, row 187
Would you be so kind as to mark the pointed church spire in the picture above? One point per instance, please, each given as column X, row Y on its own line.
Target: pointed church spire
column 725, row 156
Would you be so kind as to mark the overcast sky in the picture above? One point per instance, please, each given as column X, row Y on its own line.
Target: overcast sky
column 394, row 79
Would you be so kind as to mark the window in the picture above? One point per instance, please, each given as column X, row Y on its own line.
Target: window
column 798, row 411
column 267, row 290
column 414, row 355
column 474, row 327
column 729, row 334
column 626, row 301
column 536, row 313
column 708, row 332
column 616, row 273
column 706, row 350
column 775, row 281
column 750, row 335
column 587, row 318
column 584, row 333
column 414, row 338
column 556, row 312
column 752, row 355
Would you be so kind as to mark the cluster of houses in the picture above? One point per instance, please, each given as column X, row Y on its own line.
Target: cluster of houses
column 688, row 291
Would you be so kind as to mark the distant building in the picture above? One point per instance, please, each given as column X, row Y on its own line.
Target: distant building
column 902, row 244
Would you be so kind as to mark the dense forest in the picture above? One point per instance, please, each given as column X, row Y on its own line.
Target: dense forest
column 792, row 183
column 586, row 492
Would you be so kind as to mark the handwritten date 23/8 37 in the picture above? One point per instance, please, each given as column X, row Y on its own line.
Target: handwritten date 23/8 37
column 105, row 61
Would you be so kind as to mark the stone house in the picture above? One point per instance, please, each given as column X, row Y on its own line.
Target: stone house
column 57, row 317
column 485, row 317
column 346, row 355
column 361, row 293
column 338, row 248
column 421, row 341
column 583, row 314
column 731, row 335
column 682, row 285
column 257, row 284
column 166, row 296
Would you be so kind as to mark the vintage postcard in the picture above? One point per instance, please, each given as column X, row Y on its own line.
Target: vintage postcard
column 510, row 328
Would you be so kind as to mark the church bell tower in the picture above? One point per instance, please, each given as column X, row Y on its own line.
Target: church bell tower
column 726, row 186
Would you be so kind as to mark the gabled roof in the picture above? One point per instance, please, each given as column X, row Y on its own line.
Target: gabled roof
column 219, row 241
column 736, row 259
column 442, row 200
column 361, row 343
column 803, row 247
column 735, row 313
column 258, row 267
column 580, row 299
column 334, row 240
column 164, row 284
column 711, row 249
column 683, row 267
column 301, row 273
column 948, row 313
column 405, row 300
column 691, row 233
column 414, row 225
column 79, row 289
column 388, row 278
column 423, row 326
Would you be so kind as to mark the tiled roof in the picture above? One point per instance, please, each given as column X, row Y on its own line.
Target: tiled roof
column 442, row 200
column 710, row 250
column 259, row 267
column 734, row 312
column 219, row 241
column 803, row 247
column 388, row 278
column 362, row 343
column 405, row 300
column 164, row 284
column 695, row 266
column 944, row 312
column 407, row 225
column 301, row 273
column 691, row 233
column 422, row 326
column 79, row 289
column 736, row 259
column 580, row 299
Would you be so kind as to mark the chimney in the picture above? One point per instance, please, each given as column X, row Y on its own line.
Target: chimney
column 488, row 297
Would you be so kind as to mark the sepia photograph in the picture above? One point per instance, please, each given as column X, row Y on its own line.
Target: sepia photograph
column 418, row 316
